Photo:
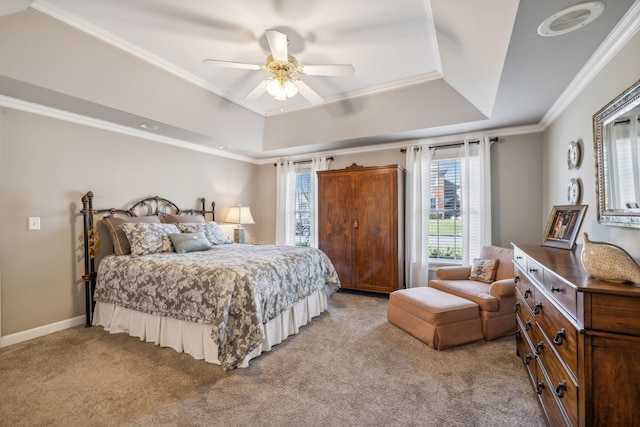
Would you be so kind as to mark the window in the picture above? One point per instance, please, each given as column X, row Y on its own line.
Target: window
column 624, row 192
column 445, row 224
column 303, row 209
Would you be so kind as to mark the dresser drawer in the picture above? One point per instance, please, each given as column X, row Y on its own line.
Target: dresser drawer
column 525, row 352
column 561, row 334
column 526, row 288
column 519, row 259
column 613, row 313
column 546, row 394
column 524, row 314
column 535, row 271
column 560, row 381
column 561, row 292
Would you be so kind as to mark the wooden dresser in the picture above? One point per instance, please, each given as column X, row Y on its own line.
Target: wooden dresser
column 361, row 225
column 579, row 339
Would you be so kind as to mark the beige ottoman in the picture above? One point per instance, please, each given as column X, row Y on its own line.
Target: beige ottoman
column 438, row 319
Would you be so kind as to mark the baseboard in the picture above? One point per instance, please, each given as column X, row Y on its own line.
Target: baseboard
column 41, row 331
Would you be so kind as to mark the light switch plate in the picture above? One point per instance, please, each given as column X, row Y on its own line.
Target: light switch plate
column 34, row 223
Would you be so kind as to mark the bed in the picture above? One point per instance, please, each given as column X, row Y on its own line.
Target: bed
column 174, row 278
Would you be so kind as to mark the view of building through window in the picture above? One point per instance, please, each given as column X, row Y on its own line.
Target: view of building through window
column 445, row 225
column 303, row 209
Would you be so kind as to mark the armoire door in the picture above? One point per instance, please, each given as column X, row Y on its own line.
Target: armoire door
column 376, row 237
column 335, row 226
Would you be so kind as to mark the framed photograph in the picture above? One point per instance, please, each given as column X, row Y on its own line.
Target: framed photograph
column 563, row 226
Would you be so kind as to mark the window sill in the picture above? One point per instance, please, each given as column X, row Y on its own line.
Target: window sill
column 433, row 264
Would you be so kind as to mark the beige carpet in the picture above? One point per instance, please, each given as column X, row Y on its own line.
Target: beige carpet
column 349, row 367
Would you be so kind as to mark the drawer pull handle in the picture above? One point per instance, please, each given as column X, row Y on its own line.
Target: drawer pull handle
column 562, row 387
column 516, row 279
column 538, row 308
column 539, row 387
column 517, row 306
column 518, row 333
column 539, row 347
column 554, row 289
column 527, row 325
column 527, row 359
column 518, row 257
column 533, row 270
column 560, row 337
column 527, row 292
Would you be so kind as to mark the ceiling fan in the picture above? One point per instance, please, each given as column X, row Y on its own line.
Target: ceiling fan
column 284, row 84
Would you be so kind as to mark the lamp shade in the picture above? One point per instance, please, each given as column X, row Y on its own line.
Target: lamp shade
column 239, row 215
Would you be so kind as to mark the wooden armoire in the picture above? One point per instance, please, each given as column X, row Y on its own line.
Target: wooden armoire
column 361, row 225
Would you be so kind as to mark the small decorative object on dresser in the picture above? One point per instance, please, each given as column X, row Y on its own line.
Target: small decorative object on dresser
column 563, row 226
column 606, row 261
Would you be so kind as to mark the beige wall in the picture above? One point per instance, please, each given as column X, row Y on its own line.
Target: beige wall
column 46, row 165
column 575, row 124
column 516, row 175
column 516, row 189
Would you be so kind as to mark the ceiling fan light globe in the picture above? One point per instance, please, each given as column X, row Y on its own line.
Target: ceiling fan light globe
column 290, row 89
column 273, row 87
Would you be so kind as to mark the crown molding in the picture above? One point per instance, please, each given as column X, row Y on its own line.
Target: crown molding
column 88, row 28
column 41, row 110
column 511, row 131
column 624, row 30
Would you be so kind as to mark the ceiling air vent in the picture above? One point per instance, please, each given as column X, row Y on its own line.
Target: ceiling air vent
column 571, row 18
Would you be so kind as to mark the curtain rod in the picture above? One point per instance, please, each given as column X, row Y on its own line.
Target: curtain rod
column 455, row 144
column 299, row 162
column 626, row 122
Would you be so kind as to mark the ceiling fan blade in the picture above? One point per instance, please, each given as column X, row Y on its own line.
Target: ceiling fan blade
column 328, row 70
column 278, row 44
column 231, row 64
column 259, row 90
column 308, row 93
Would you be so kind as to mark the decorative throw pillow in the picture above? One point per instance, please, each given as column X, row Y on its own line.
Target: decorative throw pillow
column 189, row 242
column 210, row 229
column 148, row 239
column 484, row 270
column 177, row 219
column 121, row 244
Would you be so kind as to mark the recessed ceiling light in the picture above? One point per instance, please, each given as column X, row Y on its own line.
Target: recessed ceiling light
column 148, row 126
column 571, row 18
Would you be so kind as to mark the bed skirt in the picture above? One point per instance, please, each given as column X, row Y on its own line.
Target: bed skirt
column 195, row 338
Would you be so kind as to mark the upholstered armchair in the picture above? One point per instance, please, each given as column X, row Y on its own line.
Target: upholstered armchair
column 496, row 299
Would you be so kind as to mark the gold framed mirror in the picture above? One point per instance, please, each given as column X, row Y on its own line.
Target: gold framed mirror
column 616, row 135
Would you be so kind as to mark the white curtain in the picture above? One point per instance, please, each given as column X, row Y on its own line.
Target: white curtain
column 285, row 203
column 475, row 174
column 418, row 169
column 317, row 164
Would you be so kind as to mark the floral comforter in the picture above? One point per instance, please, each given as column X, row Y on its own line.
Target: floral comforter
column 235, row 288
